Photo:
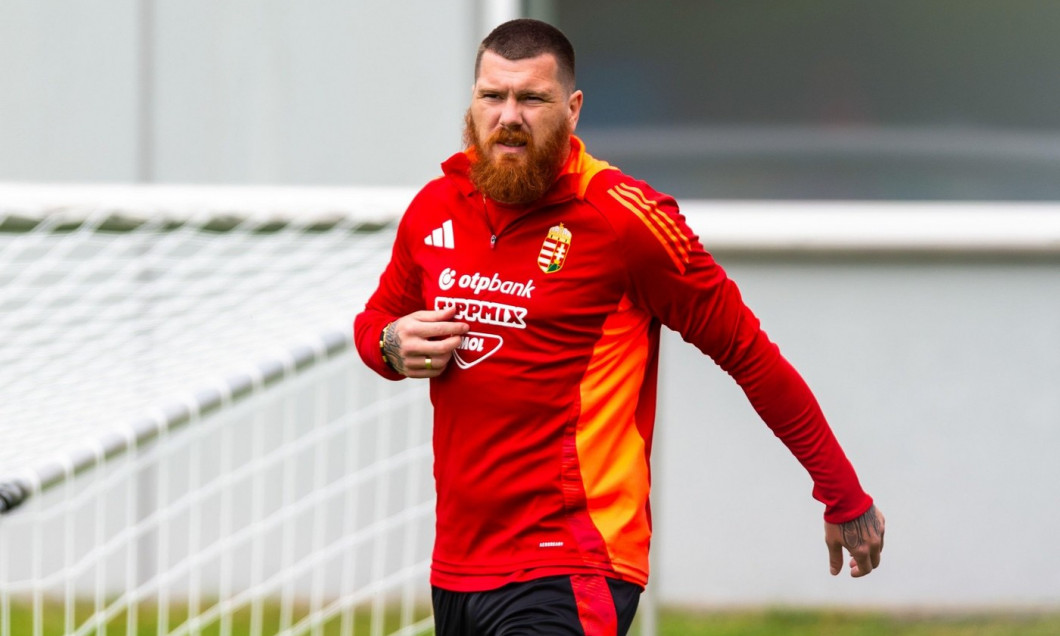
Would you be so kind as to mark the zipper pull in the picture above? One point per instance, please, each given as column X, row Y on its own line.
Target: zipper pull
column 493, row 241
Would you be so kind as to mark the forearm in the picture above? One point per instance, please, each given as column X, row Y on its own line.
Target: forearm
column 785, row 403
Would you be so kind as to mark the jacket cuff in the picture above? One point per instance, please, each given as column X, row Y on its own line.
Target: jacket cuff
column 367, row 334
column 844, row 511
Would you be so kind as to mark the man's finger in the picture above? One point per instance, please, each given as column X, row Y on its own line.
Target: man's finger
column 434, row 315
column 874, row 555
column 835, row 557
column 428, row 366
column 860, row 563
column 437, row 329
column 438, row 347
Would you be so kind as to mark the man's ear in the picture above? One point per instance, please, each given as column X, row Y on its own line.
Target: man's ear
column 574, row 105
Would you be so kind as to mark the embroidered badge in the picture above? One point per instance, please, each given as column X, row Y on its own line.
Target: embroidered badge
column 554, row 250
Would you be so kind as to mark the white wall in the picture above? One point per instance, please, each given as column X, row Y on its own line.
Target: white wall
column 321, row 92
column 68, row 90
column 939, row 373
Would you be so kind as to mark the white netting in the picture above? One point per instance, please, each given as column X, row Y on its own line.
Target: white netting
column 176, row 371
column 109, row 311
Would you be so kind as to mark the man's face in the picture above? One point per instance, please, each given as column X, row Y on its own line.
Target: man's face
column 520, row 121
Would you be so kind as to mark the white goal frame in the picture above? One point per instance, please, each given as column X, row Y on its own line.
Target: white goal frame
column 286, row 490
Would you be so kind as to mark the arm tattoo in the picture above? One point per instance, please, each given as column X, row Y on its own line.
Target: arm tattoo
column 392, row 349
column 858, row 531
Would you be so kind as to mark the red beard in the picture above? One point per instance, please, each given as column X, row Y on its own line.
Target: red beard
column 516, row 180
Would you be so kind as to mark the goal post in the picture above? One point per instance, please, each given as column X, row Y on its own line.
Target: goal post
column 190, row 443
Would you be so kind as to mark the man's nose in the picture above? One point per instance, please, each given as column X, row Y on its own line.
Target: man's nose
column 511, row 117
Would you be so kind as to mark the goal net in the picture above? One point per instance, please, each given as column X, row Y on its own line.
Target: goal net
column 189, row 443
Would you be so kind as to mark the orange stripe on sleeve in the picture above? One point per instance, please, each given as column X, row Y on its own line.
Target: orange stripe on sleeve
column 667, row 245
column 676, row 235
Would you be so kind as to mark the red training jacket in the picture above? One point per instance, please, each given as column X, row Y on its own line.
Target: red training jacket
column 543, row 421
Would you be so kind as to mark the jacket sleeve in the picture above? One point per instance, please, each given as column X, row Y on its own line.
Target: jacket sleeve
column 678, row 282
column 397, row 295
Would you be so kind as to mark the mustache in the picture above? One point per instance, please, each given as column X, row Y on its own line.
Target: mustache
column 509, row 137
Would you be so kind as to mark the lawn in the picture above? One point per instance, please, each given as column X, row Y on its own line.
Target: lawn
column 672, row 622
column 847, row 623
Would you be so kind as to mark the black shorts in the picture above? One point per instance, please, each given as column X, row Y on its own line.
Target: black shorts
column 576, row 605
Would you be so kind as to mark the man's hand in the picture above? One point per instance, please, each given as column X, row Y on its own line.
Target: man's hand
column 421, row 344
column 862, row 537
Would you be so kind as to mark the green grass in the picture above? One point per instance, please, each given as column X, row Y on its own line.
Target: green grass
column 673, row 622
column 20, row 619
column 847, row 623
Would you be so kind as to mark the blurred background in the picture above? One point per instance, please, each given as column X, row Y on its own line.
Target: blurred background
column 946, row 99
column 937, row 363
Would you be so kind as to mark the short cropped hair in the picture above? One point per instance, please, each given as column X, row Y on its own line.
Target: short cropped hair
column 525, row 38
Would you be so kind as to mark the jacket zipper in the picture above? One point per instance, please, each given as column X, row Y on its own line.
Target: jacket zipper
column 495, row 235
column 489, row 225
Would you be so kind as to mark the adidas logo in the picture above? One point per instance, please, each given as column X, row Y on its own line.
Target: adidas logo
column 442, row 236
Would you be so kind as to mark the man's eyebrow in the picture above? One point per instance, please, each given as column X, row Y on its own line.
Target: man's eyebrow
column 544, row 94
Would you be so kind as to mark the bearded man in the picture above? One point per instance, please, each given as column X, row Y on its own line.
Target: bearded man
column 529, row 283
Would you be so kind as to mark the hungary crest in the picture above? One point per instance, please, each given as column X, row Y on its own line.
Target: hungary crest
column 554, row 250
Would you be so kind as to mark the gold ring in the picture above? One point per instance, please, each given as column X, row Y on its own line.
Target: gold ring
column 427, row 362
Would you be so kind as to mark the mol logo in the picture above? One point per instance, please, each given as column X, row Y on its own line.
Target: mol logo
column 476, row 347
